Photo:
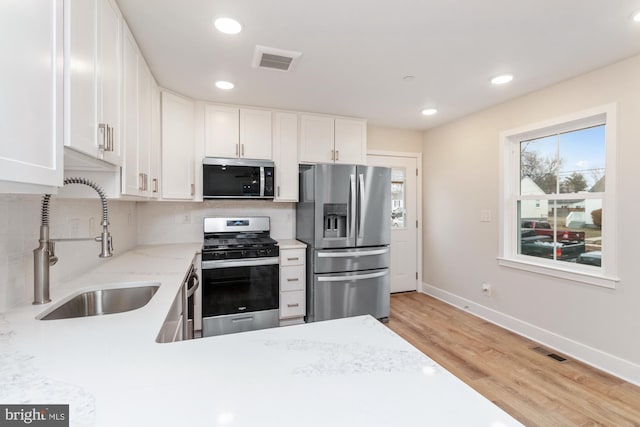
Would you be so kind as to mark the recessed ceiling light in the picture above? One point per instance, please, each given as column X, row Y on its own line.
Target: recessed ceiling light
column 409, row 78
column 500, row 80
column 221, row 84
column 636, row 16
column 228, row 25
column 429, row 112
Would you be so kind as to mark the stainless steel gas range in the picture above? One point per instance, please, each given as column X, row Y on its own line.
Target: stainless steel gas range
column 240, row 275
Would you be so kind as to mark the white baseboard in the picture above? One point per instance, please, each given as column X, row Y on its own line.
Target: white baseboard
column 609, row 363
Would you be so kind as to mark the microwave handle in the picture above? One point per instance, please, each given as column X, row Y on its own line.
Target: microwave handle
column 262, row 181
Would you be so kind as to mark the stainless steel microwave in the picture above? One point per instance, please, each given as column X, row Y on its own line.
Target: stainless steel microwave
column 237, row 178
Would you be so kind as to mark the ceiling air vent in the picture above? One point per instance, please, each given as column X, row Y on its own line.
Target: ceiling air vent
column 274, row 59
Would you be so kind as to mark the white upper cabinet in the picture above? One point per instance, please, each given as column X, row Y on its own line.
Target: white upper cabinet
column 325, row 139
column 316, row 139
column 137, row 123
column 131, row 185
column 237, row 132
column 255, row 134
column 155, row 154
column 110, row 77
column 178, row 147
column 351, row 141
column 31, row 37
column 93, row 64
column 285, row 156
column 222, row 131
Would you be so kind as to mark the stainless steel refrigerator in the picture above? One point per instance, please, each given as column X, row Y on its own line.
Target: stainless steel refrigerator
column 344, row 216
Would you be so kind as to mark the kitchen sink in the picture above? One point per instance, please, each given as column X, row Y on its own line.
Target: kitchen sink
column 103, row 301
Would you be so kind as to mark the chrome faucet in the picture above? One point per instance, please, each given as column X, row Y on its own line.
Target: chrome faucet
column 44, row 255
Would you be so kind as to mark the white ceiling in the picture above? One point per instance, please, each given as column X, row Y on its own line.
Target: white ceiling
column 356, row 52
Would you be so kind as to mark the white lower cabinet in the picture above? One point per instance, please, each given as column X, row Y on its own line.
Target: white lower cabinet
column 171, row 330
column 292, row 286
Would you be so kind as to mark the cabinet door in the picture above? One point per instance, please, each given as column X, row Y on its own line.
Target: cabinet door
column 178, row 147
column 316, row 139
column 80, row 66
column 255, row 134
column 292, row 304
column 131, row 184
column 350, row 141
column 285, row 156
column 222, row 131
column 109, row 74
column 31, row 87
column 144, row 124
column 156, row 145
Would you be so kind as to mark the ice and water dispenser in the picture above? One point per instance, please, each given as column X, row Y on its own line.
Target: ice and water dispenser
column 335, row 220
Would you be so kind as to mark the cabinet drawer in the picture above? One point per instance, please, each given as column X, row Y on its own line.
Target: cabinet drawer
column 292, row 257
column 292, row 304
column 292, row 278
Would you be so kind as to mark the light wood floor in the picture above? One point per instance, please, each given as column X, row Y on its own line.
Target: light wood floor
column 532, row 387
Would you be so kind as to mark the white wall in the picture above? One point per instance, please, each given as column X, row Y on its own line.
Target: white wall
column 461, row 172
column 19, row 233
column 392, row 139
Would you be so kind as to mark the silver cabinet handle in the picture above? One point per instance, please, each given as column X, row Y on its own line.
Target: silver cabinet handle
column 293, row 259
column 278, row 191
column 292, row 279
column 193, row 189
column 337, row 155
column 237, row 150
column 155, row 185
column 293, row 305
column 242, row 150
column 333, row 154
column 102, row 127
column 141, row 181
column 110, row 133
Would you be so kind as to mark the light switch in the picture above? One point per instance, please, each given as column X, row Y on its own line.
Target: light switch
column 485, row 215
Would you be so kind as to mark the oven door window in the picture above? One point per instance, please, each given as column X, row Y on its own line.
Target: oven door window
column 231, row 181
column 234, row 290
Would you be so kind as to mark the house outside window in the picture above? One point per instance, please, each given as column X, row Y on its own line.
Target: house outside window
column 557, row 210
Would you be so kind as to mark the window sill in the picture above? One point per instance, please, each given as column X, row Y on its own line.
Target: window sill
column 566, row 274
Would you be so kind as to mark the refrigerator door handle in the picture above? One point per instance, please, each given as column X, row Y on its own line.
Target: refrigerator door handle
column 352, row 277
column 352, row 254
column 352, row 206
column 362, row 205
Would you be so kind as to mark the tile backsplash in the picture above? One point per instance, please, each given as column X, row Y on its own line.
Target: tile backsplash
column 131, row 224
column 19, row 233
column 172, row 222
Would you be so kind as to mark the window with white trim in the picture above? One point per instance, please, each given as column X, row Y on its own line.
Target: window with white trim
column 557, row 209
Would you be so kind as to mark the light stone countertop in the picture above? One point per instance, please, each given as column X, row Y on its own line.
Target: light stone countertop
column 347, row 372
column 291, row 244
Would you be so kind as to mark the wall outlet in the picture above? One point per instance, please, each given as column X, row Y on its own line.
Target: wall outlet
column 183, row 218
column 486, row 289
column 485, row 215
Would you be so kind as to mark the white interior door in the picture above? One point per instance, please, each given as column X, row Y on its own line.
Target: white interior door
column 404, row 231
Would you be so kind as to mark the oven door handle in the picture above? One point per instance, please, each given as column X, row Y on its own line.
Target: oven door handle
column 195, row 282
column 208, row 265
